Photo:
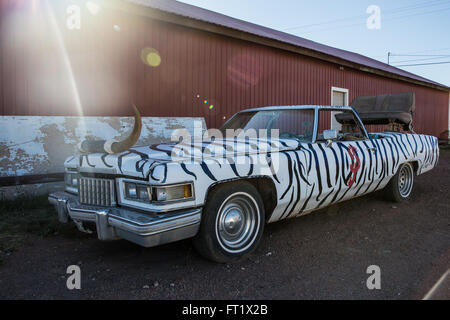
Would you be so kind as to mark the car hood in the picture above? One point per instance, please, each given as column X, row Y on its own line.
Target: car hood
column 139, row 161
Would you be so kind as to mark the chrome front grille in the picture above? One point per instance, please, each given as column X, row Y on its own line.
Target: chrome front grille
column 95, row 191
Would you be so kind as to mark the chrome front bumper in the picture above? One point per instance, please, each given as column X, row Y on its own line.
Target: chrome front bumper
column 145, row 229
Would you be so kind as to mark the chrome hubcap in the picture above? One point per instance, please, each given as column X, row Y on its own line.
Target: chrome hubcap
column 233, row 221
column 405, row 180
column 237, row 223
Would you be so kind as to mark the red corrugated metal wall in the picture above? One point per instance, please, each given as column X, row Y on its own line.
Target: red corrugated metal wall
column 47, row 68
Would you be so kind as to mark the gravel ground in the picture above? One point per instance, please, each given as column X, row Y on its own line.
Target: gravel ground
column 319, row 256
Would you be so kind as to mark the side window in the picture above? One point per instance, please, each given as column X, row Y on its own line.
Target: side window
column 298, row 122
column 349, row 130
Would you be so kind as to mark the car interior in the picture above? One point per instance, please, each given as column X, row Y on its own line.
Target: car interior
column 348, row 132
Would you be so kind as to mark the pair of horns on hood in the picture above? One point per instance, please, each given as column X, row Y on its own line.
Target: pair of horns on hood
column 112, row 146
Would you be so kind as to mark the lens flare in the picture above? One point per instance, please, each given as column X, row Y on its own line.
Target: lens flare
column 154, row 59
column 65, row 56
column 92, row 7
column 34, row 5
column 211, row 107
column 151, row 57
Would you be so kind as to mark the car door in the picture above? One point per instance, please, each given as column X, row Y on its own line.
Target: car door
column 345, row 168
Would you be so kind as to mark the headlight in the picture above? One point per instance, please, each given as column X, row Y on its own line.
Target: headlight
column 171, row 193
column 71, row 179
column 142, row 192
column 135, row 191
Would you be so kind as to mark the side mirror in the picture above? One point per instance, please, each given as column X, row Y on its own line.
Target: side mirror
column 330, row 135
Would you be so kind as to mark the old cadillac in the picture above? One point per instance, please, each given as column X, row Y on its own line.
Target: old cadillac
column 221, row 191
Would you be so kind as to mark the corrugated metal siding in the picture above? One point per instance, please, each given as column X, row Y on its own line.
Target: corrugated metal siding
column 196, row 66
column 193, row 13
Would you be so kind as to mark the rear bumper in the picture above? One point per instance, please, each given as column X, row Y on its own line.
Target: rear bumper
column 145, row 229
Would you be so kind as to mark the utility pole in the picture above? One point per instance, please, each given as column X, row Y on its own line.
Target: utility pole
column 389, row 56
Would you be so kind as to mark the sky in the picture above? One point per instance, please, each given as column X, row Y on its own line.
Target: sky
column 414, row 31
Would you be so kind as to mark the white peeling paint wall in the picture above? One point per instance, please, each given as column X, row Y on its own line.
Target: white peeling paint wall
column 38, row 145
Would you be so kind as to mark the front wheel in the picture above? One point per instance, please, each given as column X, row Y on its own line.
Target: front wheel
column 232, row 222
column 400, row 187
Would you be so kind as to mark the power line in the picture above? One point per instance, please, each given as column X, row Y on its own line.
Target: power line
column 389, row 19
column 419, row 55
column 405, row 8
column 430, row 50
column 421, row 64
column 423, row 59
column 322, row 23
column 399, row 9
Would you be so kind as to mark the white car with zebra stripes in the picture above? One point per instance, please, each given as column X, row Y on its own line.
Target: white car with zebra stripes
column 263, row 165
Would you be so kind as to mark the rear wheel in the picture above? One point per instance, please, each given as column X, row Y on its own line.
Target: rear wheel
column 232, row 222
column 400, row 187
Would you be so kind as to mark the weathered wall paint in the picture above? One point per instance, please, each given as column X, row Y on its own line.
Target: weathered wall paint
column 39, row 145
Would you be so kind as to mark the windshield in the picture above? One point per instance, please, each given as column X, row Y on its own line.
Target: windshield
column 295, row 124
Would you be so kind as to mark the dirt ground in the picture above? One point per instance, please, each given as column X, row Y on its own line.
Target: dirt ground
column 324, row 255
